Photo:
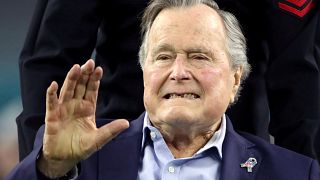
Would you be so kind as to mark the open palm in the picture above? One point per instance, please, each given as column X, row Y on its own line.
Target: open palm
column 70, row 131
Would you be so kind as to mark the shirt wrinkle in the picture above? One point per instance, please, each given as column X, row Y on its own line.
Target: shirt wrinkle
column 159, row 163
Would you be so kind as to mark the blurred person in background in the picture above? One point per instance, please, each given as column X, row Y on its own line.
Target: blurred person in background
column 283, row 49
column 193, row 58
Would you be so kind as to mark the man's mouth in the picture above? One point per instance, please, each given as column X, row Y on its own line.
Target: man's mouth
column 182, row 95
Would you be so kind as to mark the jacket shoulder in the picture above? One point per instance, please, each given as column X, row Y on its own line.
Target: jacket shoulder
column 282, row 162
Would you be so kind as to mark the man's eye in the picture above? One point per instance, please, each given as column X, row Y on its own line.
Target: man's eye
column 199, row 57
column 163, row 57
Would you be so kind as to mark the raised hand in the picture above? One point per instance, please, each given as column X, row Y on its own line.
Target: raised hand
column 70, row 133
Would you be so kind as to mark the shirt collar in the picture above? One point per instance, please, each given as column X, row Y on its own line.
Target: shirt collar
column 215, row 141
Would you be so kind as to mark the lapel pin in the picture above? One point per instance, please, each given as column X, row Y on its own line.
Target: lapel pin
column 249, row 164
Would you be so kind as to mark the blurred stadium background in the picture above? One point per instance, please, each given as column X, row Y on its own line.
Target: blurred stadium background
column 15, row 17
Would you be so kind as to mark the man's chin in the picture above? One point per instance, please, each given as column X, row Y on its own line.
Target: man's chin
column 178, row 114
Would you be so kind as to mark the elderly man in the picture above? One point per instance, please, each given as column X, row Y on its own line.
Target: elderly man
column 193, row 60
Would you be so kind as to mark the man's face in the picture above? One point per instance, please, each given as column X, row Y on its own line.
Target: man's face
column 188, row 78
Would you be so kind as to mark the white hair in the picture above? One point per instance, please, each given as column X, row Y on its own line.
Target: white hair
column 236, row 43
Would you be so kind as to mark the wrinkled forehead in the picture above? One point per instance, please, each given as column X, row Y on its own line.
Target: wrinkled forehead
column 192, row 19
column 195, row 27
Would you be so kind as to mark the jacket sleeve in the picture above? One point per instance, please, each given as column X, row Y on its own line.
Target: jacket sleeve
column 62, row 33
column 314, row 171
column 27, row 169
column 293, row 76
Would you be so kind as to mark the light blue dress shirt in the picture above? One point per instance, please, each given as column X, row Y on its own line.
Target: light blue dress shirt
column 158, row 162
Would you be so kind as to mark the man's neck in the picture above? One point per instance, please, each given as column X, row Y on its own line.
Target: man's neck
column 185, row 143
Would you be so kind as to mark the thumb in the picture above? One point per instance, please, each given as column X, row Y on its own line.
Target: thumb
column 109, row 131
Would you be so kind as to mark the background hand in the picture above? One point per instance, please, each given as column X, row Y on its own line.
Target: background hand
column 71, row 134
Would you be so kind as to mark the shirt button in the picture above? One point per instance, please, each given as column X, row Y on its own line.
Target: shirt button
column 153, row 135
column 171, row 169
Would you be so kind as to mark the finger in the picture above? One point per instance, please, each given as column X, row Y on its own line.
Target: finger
column 109, row 131
column 86, row 70
column 91, row 93
column 51, row 106
column 51, row 97
column 69, row 84
column 51, row 101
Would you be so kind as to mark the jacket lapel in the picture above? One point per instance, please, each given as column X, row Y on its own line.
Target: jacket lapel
column 124, row 165
column 237, row 150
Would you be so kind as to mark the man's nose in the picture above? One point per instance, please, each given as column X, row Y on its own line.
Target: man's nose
column 180, row 70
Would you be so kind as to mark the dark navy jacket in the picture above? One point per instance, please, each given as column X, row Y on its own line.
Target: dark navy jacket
column 120, row 158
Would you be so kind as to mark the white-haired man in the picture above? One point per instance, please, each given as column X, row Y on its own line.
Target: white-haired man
column 193, row 61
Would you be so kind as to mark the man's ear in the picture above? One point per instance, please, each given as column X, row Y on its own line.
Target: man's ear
column 238, row 75
column 237, row 81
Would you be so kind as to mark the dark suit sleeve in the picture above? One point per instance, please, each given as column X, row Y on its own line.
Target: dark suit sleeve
column 61, row 34
column 314, row 171
column 293, row 77
column 27, row 169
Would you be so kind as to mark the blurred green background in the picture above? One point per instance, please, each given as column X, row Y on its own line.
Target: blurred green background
column 15, row 17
